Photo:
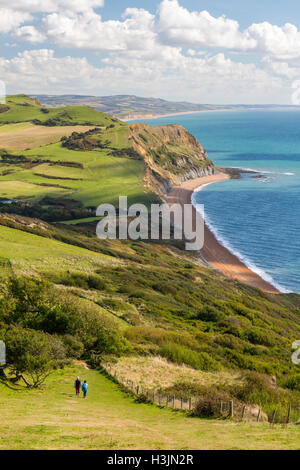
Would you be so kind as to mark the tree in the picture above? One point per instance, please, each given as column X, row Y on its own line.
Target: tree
column 31, row 356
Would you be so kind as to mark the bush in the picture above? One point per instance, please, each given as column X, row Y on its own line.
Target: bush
column 209, row 313
column 109, row 342
column 73, row 345
column 257, row 336
column 259, row 389
column 31, row 355
column 182, row 355
column 293, row 382
column 208, row 405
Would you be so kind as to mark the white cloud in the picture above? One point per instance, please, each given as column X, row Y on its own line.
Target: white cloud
column 75, row 23
column 29, row 34
column 35, row 6
column 88, row 31
column 166, row 54
column 10, row 20
column 199, row 79
column 179, row 26
column 281, row 42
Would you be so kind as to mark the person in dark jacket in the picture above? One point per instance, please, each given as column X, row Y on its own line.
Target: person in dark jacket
column 77, row 385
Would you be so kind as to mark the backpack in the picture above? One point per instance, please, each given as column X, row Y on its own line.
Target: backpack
column 77, row 383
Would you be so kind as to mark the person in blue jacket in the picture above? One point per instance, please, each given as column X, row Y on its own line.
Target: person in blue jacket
column 84, row 388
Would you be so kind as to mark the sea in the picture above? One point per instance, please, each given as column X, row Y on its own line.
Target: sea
column 257, row 217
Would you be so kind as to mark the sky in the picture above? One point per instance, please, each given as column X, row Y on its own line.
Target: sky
column 210, row 51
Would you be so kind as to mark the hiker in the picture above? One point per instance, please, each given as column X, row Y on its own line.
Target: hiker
column 77, row 385
column 84, row 388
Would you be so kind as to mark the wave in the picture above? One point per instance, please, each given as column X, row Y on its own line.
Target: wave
column 265, row 172
column 243, row 258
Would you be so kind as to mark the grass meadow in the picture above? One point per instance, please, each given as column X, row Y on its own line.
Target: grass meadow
column 54, row 418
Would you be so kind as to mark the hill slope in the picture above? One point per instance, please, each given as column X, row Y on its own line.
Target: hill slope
column 81, row 158
column 110, row 419
column 136, row 107
column 165, row 303
column 116, row 300
column 125, row 106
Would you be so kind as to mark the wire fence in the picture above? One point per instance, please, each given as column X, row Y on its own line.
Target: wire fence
column 226, row 409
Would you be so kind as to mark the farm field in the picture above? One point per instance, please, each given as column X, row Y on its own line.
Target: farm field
column 46, row 168
column 24, row 136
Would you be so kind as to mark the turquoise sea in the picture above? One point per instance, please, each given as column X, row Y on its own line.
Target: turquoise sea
column 256, row 218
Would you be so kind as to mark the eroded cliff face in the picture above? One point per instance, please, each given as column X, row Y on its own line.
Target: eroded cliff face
column 171, row 154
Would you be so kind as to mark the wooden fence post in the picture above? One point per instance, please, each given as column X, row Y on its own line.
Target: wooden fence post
column 231, row 409
column 137, row 389
column 173, row 401
column 181, row 402
column 258, row 415
column 243, row 412
column 289, row 414
column 190, row 403
column 273, row 417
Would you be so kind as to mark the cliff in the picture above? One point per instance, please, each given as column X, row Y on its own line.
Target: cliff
column 171, row 154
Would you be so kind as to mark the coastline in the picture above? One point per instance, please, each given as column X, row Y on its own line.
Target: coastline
column 213, row 252
column 157, row 116
column 150, row 116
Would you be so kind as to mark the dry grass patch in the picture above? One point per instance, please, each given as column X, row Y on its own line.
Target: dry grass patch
column 28, row 136
column 156, row 373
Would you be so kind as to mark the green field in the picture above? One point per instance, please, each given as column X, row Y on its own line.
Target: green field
column 24, row 109
column 29, row 252
column 54, row 418
column 101, row 177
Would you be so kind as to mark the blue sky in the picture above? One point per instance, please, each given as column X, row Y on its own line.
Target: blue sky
column 246, row 13
column 212, row 51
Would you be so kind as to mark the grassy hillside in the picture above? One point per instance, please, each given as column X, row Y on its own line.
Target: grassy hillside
column 153, row 311
column 21, row 108
column 124, row 106
column 85, row 158
column 160, row 301
column 110, row 419
column 89, row 169
column 133, row 107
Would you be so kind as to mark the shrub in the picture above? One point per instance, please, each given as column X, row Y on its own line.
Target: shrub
column 259, row 389
column 257, row 336
column 293, row 382
column 183, row 355
column 209, row 313
column 31, row 355
column 73, row 345
column 110, row 342
column 208, row 405
column 95, row 282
